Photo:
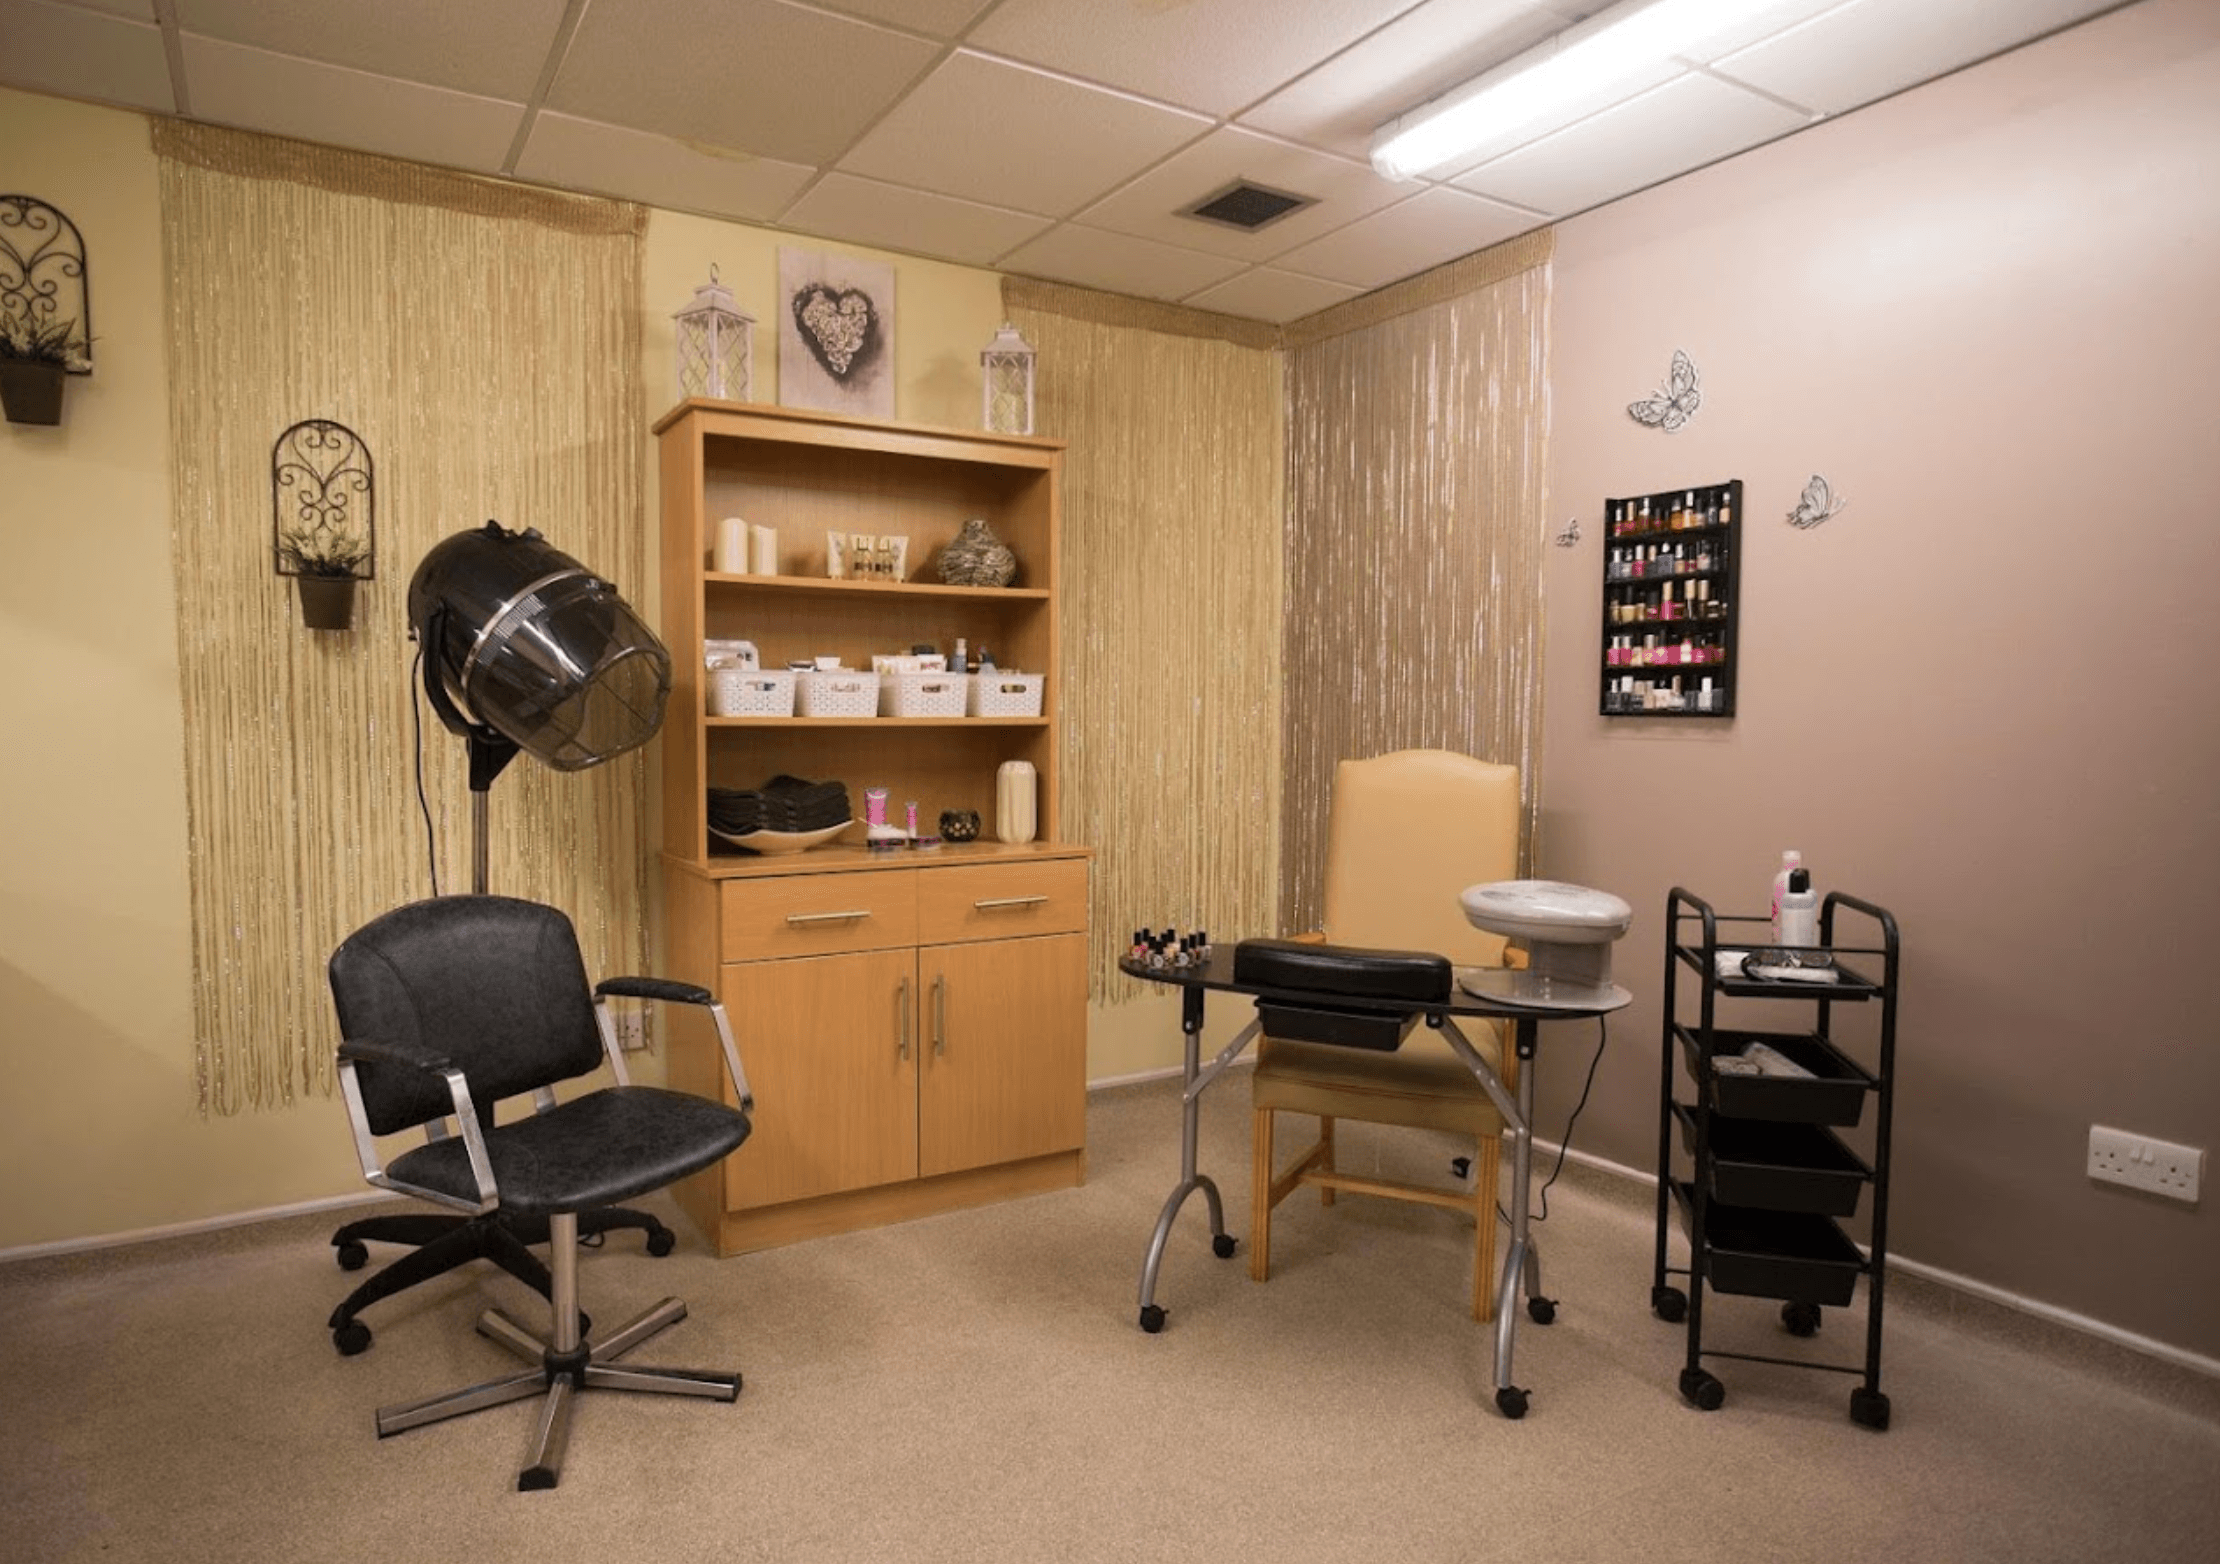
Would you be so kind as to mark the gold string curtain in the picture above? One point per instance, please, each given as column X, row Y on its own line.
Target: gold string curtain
column 484, row 342
column 1170, row 622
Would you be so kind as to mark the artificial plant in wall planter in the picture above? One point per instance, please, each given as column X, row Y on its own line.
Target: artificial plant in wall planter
column 35, row 358
column 323, row 504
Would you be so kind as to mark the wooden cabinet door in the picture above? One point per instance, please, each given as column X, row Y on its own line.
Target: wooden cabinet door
column 830, row 1044
column 1004, row 1058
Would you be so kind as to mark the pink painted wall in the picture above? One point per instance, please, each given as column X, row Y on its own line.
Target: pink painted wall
column 1985, row 695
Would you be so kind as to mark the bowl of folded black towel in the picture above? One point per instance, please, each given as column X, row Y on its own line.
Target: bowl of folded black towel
column 784, row 815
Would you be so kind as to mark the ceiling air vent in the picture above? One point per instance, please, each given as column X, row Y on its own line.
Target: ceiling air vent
column 1247, row 207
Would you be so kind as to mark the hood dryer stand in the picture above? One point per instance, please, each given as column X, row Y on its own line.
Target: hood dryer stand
column 439, row 1243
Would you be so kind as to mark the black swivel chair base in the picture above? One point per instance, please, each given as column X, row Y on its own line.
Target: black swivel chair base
column 564, row 1367
column 441, row 1243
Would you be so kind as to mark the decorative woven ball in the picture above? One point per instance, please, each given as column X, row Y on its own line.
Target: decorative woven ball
column 959, row 825
column 977, row 558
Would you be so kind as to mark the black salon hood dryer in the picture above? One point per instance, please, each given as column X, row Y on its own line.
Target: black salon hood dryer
column 526, row 649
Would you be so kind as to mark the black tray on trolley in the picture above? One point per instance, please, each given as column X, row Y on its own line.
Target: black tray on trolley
column 1834, row 1093
column 1775, row 1254
column 1776, row 1166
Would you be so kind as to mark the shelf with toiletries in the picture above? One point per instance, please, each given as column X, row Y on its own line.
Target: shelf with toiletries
column 1755, row 1153
column 1671, row 591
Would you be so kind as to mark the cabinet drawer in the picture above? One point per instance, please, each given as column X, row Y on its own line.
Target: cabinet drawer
column 1001, row 900
column 817, row 914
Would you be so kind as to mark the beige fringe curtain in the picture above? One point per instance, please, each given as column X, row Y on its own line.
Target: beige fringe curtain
column 483, row 341
column 1170, row 619
column 1416, row 452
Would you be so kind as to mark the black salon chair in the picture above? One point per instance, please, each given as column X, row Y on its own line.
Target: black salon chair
column 450, row 1006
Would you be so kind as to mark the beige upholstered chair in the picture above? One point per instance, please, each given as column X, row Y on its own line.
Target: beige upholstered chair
column 1407, row 833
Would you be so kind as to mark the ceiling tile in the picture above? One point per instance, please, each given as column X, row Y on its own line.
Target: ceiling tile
column 1011, row 137
column 84, row 54
column 1681, row 125
column 768, row 78
column 890, row 217
column 1867, row 49
column 577, row 154
column 1419, row 56
column 273, row 92
column 1095, row 258
column 488, row 48
column 1264, row 294
column 1151, row 206
column 1217, row 57
column 1436, row 225
column 941, row 18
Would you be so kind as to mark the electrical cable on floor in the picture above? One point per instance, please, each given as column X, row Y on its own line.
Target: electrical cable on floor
column 416, row 727
column 1603, row 1036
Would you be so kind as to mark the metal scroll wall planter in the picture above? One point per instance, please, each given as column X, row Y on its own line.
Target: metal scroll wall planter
column 323, row 504
column 45, row 309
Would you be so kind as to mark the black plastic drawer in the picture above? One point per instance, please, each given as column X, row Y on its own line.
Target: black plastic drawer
column 1778, row 1166
column 1776, row 1254
column 1834, row 1093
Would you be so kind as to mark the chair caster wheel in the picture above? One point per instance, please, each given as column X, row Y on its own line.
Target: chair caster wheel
column 353, row 1256
column 1800, row 1319
column 1511, row 1402
column 1222, row 1246
column 1869, row 1408
column 1541, row 1310
column 1152, row 1318
column 352, row 1339
column 1669, row 1304
column 661, row 1242
column 1702, row 1389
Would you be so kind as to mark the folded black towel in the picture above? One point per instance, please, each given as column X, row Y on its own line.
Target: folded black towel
column 782, row 804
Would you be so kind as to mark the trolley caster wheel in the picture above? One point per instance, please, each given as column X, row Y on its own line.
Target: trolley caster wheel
column 1152, row 1318
column 1669, row 1304
column 1800, row 1319
column 1222, row 1246
column 1869, row 1408
column 1511, row 1402
column 661, row 1242
column 1541, row 1310
column 353, row 1256
column 1702, row 1390
column 352, row 1339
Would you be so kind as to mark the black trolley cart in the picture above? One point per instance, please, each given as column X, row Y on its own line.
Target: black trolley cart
column 1767, row 1176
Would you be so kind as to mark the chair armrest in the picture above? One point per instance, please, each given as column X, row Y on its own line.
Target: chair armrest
column 671, row 991
column 369, row 1050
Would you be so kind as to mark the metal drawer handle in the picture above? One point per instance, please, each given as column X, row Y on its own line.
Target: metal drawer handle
column 1008, row 901
column 902, row 1026
column 827, row 917
column 940, row 1014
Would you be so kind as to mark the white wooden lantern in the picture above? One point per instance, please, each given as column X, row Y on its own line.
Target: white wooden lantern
column 715, row 344
column 1006, row 383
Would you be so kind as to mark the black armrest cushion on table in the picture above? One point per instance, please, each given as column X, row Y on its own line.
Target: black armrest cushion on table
column 1407, row 981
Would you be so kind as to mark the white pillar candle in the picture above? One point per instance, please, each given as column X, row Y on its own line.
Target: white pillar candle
column 732, row 546
column 765, row 540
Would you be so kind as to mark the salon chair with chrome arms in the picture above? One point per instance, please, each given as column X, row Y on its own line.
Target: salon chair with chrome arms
column 449, row 1006
column 1407, row 833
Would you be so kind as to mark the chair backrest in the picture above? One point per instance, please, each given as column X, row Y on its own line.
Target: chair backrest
column 1406, row 833
column 495, row 985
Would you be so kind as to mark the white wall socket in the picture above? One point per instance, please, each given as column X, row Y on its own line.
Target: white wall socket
column 2139, row 1162
column 632, row 1035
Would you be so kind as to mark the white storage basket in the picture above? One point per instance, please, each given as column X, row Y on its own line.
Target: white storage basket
column 921, row 695
column 750, row 692
column 837, row 692
column 1005, row 694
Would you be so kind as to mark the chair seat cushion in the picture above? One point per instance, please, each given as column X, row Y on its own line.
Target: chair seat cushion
column 597, row 1150
column 1422, row 1086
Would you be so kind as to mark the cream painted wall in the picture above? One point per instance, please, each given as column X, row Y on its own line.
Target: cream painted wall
column 1984, row 310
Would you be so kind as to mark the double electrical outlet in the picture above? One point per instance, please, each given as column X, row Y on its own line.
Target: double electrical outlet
column 2139, row 1162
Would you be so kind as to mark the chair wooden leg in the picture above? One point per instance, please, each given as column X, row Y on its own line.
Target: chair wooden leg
column 1260, row 1198
column 1484, row 1169
column 1326, row 1159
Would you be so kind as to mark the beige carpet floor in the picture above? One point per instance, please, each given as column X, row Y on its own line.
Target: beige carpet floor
column 974, row 1387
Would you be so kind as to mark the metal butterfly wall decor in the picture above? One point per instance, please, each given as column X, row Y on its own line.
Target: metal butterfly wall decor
column 1817, row 504
column 1674, row 403
column 1570, row 535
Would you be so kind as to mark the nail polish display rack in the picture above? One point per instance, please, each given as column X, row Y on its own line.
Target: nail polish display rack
column 1751, row 1148
column 1672, row 567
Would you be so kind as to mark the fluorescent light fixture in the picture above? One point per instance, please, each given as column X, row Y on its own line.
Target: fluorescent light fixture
column 1607, row 48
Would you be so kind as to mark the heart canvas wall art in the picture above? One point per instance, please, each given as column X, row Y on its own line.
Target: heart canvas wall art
column 836, row 333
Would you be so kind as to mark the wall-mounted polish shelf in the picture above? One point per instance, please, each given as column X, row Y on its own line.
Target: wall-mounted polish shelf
column 1672, row 565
